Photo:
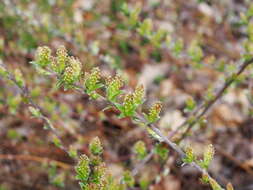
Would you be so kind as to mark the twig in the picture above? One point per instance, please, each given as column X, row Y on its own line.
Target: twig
column 207, row 105
column 25, row 92
column 157, row 131
column 141, row 165
column 218, row 95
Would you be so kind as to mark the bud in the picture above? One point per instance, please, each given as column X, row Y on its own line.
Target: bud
column 83, row 168
column 189, row 156
column 138, row 95
column 96, row 147
column 214, row 184
column 59, row 64
column 128, row 107
column 154, row 112
column 99, row 174
column 208, row 156
column 91, row 82
column 140, row 149
column 205, row 178
column 113, row 87
column 43, row 56
column 72, row 71
column 229, row 187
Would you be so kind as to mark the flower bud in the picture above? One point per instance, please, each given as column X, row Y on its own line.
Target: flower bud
column 96, row 147
column 72, row 71
column 154, row 112
column 83, row 168
column 43, row 56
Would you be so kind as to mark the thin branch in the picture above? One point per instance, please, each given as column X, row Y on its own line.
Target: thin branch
column 25, row 93
column 141, row 165
column 206, row 105
column 218, row 95
column 157, row 131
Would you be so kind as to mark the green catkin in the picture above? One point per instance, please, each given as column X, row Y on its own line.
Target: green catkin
column 138, row 95
column 72, row 72
column 154, row 112
column 43, row 56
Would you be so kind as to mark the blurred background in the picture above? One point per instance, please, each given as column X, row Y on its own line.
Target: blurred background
column 98, row 33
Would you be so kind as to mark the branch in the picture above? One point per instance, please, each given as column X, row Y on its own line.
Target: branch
column 205, row 106
column 218, row 95
column 25, row 93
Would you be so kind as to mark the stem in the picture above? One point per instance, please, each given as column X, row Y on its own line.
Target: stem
column 25, row 93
